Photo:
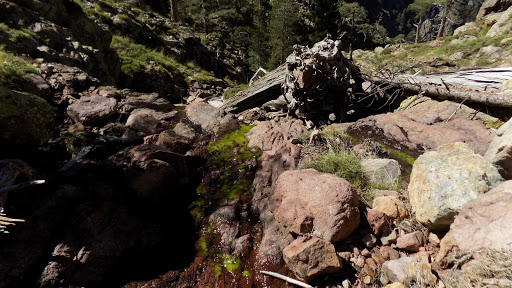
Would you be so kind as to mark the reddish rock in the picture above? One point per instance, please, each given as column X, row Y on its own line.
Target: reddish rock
column 309, row 258
column 411, row 241
column 308, row 201
column 395, row 128
column 377, row 220
column 485, row 222
column 92, row 110
column 389, row 253
column 278, row 155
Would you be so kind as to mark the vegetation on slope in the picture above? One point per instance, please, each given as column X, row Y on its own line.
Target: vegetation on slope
column 13, row 70
column 447, row 54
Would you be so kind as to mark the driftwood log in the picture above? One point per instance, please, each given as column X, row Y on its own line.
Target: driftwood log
column 480, row 86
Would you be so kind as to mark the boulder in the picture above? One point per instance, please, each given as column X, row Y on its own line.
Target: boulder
column 144, row 123
column 502, row 25
column 278, row 155
column 500, row 150
column 133, row 100
column 411, row 241
column 206, row 116
column 308, row 201
column 92, row 110
column 466, row 27
column 485, row 222
column 493, row 6
column 382, row 171
column 391, row 206
column 308, row 258
column 25, row 119
column 400, row 131
column 184, row 130
column 175, row 143
column 153, row 172
column 443, row 181
column 35, row 84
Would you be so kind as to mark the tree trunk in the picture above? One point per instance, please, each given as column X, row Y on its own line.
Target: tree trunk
column 442, row 28
column 418, row 26
column 441, row 92
column 175, row 16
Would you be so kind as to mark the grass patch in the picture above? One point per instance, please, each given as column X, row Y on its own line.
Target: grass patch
column 13, row 70
column 234, row 90
column 136, row 57
column 496, row 124
column 342, row 163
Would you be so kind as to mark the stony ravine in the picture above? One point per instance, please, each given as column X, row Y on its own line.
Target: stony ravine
column 144, row 191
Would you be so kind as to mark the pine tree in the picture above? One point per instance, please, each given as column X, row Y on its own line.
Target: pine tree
column 352, row 14
column 283, row 17
column 259, row 51
column 420, row 9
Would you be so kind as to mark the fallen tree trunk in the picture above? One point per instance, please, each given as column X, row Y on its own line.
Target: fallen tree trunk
column 265, row 89
column 445, row 91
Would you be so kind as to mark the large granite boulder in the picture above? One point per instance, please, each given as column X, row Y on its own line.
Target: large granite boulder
column 311, row 202
column 500, row 150
column 308, row 258
column 443, row 181
column 25, row 119
column 485, row 222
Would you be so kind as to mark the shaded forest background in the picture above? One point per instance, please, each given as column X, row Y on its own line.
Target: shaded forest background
column 262, row 32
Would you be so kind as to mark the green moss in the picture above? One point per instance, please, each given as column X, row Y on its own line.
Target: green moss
column 202, row 246
column 217, row 270
column 230, row 263
column 399, row 155
column 230, row 154
column 246, row 273
column 494, row 124
column 233, row 91
column 13, row 70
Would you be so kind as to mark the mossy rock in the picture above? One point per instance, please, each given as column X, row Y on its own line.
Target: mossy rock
column 25, row 119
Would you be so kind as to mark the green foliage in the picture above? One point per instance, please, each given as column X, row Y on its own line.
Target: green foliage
column 13, row 70
column 341, row 163
column 283, row 17
column 136, row 57
column 233, row 91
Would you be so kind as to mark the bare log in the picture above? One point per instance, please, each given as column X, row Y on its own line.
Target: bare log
column 265, row 89
column 446, row 91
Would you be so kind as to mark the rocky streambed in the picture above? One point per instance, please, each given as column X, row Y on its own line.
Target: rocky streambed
column 141, row 190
